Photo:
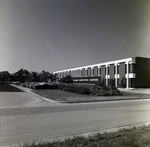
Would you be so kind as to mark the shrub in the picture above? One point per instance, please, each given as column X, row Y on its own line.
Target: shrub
column 111, row 82
column 75, row 88
column 122, row 83
column 46, row 86
column 67, row 79
column 102, row 90
column 99, row 90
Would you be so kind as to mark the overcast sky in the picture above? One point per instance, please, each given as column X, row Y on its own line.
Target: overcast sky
column 59, row 34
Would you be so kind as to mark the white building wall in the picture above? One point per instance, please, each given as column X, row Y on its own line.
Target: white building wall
column 76, row 72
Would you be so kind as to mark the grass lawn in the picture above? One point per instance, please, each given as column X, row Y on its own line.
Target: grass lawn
column 132, row 137
column 8, row 88
column 60, row 95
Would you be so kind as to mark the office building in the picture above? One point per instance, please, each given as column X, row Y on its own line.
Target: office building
column 131, row 72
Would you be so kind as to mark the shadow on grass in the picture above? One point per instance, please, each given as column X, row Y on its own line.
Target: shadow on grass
column 9, row 88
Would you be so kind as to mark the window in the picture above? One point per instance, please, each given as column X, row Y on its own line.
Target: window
column 81, row 73
column 117, row 69
column 131, row 68
column 108, row 70
column 99, row 71
column 131, row 82
column 93, row 72
column 90, row 71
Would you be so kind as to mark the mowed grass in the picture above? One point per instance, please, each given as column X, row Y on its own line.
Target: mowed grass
column 8, row 88
column 60, row 95
column 131, row 137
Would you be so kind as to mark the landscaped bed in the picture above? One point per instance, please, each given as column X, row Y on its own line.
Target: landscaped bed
column 64, row 96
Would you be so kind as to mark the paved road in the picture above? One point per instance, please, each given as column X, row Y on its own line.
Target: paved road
column 11, row 97
column 27, row 122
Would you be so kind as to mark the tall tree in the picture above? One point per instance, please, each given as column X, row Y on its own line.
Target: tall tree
column 22, row 75
column 53, row 77
column 44, row 76
column 35, row 76
column 4, row 76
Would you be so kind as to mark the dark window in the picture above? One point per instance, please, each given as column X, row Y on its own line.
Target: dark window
column 83, row 72
column 117, row 69
column 114, row 69
column 108, row 70
column 131, row 82
column 117, row 82
column 99, row 71
column 89, row 72
column 93, row 72
column 131, row 68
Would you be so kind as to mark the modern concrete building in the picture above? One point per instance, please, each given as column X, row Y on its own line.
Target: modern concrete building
column 131, row 72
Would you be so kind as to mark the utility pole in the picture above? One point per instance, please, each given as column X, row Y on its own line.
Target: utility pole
column 30, row 65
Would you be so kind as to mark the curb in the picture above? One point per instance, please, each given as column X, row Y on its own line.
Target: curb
column 106, row 100
column 74, row 102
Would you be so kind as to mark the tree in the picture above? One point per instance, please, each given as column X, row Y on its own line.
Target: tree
column 122, row 83
column 34, row 76
column 44, row 76
column 4, row 76
column 111, row 82
column 67, row 79
column 53, row 77
column 22, row 75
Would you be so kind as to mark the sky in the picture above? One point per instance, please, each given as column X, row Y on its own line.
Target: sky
column 53, row 35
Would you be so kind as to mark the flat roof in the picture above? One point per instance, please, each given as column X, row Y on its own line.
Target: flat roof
column 99, row 64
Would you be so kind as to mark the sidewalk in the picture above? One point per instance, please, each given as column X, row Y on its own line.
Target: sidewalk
column 66, row 97
column 136, row 90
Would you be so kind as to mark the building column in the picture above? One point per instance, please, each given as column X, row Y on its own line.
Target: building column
column 71, row 73
column 99, row 69
column 83, row 72
column 127, row 77
column 91, row 72
column 116, row 78
column 106, row 76
column 77, row 72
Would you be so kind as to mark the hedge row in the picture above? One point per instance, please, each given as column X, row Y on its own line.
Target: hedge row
column 105, row 91
column 95, row 90
column 75, row 88
column 46, row 86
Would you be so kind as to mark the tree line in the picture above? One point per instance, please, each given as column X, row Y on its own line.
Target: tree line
column 24, row 75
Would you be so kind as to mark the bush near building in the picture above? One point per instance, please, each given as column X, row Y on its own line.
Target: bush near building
column 67, row 79
column 46, row 86
column 99, row 90
column 74, row 88
column 102, row 90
